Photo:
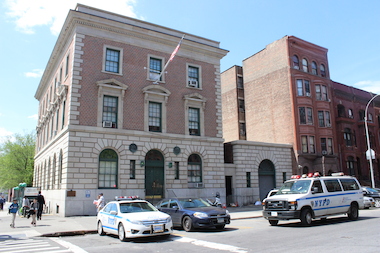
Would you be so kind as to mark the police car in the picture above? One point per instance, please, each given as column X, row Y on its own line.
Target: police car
column 129, row 217
column 311, row 197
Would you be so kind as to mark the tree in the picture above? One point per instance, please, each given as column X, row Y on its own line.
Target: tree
column 17, row 160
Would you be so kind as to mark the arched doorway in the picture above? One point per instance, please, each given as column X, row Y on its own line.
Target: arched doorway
column 266, row 178
column 154, row 175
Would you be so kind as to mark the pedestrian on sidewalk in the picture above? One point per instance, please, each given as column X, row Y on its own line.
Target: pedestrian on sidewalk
column 25, row 206
column 13, row 208
column 2, row 202
column 34, row 207
column 100, row 202
column 41, row 203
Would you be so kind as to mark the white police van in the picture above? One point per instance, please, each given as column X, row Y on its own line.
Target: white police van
column 314, row 197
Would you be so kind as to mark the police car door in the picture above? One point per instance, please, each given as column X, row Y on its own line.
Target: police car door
column 335, row 196
column 111, row 217
column 319, row 201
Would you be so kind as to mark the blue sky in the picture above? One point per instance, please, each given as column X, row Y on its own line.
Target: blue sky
column 348, row 29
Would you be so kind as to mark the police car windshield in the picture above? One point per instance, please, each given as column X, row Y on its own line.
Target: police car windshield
column 295, row 187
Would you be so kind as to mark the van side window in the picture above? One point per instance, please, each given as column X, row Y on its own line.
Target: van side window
column 317, row 184
column 349, row 184
column 332, row 185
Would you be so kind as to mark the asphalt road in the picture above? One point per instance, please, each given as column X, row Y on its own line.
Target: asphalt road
column 336, row 234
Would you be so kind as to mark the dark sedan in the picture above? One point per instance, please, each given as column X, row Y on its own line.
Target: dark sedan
column 193, row 213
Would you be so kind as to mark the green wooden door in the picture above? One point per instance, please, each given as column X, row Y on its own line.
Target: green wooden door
column 154, row 175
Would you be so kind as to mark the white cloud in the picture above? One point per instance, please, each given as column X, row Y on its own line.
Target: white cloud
column 371, row 86
column 27, row 14
column 34, row 116
column 35, row 73
column 4, row 132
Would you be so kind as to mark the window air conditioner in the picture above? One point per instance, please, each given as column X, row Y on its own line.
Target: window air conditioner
column 193, row 83
column 328, row 125
column 198, row 185
column 107, row 124
column 308, row 94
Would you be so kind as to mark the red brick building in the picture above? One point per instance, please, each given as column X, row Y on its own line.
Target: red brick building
column 350, row 104
column 283, row 94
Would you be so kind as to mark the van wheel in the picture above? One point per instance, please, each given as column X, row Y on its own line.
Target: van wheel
column 353, row 213
column 306, row 217
column 273, row 222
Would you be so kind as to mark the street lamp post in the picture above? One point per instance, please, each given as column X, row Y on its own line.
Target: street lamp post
column 368, row 141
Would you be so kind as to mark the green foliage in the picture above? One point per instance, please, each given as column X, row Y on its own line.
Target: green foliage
column 17, row 160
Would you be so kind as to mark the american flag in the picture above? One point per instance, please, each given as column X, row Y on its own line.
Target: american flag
column 176, row 49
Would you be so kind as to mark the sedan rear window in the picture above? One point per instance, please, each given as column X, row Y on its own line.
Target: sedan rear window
column 192, row 203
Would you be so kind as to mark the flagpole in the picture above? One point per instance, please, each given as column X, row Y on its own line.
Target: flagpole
column 170, row 59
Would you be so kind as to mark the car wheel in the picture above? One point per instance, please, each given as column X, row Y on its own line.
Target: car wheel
column 121, row 233
column 220, row 227
column 187, row 224
column 306, row 217
column 273, row 222
column 100, row 228
column 353, row 212
column 377, row 203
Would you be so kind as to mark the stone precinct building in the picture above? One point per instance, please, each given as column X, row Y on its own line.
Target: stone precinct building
column 105, row 126
column 283, row 94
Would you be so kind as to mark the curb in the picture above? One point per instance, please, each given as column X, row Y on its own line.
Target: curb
column 83, row 232
column 69, row 233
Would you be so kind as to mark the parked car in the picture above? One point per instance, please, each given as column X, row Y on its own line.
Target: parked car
column 313, row 197
column 194, row 213
column 373, row 193
column 368, row 202
column 133, row 218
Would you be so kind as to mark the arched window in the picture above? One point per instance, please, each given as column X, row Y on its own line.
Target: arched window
column 348, row 137
column 53, row 181
column 350, row 113
column 350, row 166
column 341, row 111
column 370, row 117
column 305, row 66
column 108, row 161
column 314, row 68
column 361, row 114
column 60, row 163
column 296, row 63
column 323, row 70
column 194, row 169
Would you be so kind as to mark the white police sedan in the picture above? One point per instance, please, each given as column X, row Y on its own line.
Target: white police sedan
column 133, row 218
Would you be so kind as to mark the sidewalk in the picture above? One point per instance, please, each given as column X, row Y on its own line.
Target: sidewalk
column 53, row 225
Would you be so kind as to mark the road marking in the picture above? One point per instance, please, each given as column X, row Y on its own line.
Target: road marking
column 34, row 245
column 70, row 246
column 211, row 245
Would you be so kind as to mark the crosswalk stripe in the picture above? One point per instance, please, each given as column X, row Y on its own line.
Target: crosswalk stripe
column 33, row 245
column 33, row 250
column 17, row 246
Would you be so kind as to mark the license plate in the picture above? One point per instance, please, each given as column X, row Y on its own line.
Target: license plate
column 220, row 220
column 273, row 213
column 158, row 228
